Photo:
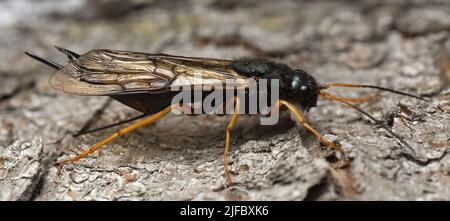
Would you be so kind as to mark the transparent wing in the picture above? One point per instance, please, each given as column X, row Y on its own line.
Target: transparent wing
column 108, row 72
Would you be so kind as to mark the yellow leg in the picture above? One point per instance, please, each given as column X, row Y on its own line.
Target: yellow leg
column 119, row 133
column 227, row 142
column 302, row 120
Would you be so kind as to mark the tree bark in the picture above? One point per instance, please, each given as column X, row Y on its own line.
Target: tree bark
column 404, row 46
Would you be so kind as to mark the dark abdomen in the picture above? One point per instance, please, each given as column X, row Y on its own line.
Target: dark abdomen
column 153, row 103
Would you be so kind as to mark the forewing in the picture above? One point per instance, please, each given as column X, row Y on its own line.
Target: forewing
column 108, row 72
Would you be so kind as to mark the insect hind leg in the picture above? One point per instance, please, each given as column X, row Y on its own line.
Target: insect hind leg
column 119, row 133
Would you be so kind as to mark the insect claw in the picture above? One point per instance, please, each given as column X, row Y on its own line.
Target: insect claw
column 45, row 61
column 70, row 54
column 60, row 167
column 62, row 163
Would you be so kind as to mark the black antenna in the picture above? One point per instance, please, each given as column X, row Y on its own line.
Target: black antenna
column 45, row 61
column 82, row 132
column 334, row 97
column 325, row 86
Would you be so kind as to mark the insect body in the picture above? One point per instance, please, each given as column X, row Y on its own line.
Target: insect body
column 144, row 81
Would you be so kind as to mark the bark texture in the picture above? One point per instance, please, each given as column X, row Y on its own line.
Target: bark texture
column 403, row 45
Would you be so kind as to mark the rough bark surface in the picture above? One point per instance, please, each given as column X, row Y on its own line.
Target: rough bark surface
column 398, row 44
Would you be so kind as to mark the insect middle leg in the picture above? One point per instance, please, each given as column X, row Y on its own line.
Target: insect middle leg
column 227, row 141
column 119, row 133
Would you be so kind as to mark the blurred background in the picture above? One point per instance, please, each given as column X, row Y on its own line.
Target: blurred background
column 393, row 43
column 304, row 33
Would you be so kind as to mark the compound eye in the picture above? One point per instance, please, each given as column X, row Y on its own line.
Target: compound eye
column 295, row 82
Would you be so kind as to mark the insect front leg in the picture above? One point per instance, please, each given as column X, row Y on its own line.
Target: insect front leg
column 301, row 120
